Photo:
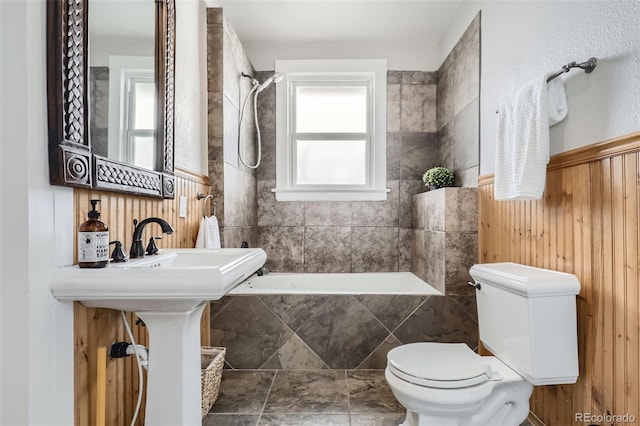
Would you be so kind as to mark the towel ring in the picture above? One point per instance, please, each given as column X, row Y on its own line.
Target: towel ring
column 204, row 199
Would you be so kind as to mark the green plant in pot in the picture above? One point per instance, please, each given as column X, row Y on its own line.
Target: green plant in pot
column 438, row 177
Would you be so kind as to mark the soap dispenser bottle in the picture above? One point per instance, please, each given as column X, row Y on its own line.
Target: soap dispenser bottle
column 93, row 241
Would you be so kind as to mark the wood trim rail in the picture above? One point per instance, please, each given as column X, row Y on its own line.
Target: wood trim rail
column 598, row 151
column 192, row 176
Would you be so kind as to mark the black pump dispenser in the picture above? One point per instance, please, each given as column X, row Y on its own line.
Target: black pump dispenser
column 94, row 214
column 93, row 241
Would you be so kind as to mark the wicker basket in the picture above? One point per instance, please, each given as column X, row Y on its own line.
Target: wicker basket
column 212, row 361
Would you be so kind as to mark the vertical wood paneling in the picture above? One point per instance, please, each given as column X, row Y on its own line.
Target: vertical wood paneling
column 631, row 276
column 101, row 327
column 586, row 224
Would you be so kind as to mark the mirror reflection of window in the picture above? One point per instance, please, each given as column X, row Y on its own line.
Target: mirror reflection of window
column 132, row 110
column 138, row 106
column 121, row 85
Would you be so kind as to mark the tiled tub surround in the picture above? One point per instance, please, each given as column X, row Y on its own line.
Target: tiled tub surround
column 458, row 110
column 333, row 332
column 233, row 185
column 311, row 397
column 445, row 238
column 372, row 236
column 336, row 332
column 356, row 332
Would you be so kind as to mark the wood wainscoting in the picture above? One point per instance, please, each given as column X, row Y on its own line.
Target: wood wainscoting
column 94, row 328
column 586, row 224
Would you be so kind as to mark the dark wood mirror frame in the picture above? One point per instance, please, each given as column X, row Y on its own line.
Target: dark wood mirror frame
column 71, row 162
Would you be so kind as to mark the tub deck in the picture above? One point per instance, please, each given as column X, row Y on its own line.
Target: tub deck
column 389, row 283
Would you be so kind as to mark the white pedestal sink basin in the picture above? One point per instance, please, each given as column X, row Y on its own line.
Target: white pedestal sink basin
column 168, row 292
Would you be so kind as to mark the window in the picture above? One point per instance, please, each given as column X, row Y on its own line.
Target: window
column 132, row 99
column 139, row 127
column 331, row 130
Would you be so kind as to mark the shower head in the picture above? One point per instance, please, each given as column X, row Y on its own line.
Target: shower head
column 275, row 78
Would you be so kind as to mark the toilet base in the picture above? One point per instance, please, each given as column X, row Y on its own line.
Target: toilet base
column 507, row 414
column 494, row 403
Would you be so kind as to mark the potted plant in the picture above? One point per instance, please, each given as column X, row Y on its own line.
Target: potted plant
column 438, row 177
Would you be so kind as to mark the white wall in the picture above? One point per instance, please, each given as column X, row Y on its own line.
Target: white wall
column 190, row 131
column 399, row 56
column 103, row 47
column 36, row 358
column 523, row 40
column 36, row 223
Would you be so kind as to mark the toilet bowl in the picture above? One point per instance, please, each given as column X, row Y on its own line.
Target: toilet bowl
column 527, row 320
column 482, row 391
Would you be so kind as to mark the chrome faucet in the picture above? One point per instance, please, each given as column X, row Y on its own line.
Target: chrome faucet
column 137, row 249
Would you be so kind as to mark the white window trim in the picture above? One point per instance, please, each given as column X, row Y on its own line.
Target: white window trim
column 300, row 70
column 128, row 106
column 118, row 66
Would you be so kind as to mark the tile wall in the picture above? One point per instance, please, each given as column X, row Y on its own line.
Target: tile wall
column 445, row 240
column 233, row 185
column 99, row 109
column 339, row 332
column 458, row 107
column 369, row 236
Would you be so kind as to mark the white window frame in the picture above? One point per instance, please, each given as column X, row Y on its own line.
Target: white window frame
column 129, row 106
column 373, row 74
column 119, row 68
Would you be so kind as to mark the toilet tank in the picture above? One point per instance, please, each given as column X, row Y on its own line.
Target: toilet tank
column 527, row 319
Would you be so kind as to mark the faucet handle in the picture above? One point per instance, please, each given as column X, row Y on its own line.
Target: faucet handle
column 152, row 248
column 118, row 254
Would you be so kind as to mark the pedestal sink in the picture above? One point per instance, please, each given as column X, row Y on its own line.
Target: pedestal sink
column 168, row 292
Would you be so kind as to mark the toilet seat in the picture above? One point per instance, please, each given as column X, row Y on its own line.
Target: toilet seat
column 439, row 365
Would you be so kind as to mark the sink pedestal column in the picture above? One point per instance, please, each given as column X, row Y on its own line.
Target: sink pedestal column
column 173, row 380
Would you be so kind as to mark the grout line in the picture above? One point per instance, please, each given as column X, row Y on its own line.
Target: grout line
column 268, row 395
column 294, row 333
column 410, row 315
column 221, row 309
column 369, row 310
column 372, row 352
column 346, row 380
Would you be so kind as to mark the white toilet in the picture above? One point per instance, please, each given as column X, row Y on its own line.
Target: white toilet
column 527, row 319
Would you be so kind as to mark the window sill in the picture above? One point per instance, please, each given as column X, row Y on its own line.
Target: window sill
column 331, row 195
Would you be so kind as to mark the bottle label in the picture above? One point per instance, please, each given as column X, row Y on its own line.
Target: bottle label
column 93, row 246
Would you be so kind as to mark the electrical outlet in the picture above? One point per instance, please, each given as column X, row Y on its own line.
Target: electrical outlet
column 183, row 207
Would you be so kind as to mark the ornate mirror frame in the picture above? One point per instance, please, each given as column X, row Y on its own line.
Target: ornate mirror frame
column 71, row 161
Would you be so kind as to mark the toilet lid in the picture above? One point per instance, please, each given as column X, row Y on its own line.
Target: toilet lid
column 443, row 365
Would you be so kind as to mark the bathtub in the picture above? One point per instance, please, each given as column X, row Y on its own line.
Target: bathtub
column 390, row 283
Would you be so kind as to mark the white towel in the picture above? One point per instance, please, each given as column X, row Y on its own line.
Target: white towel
column 522, row 146
column 556, row 101
column 209, row 233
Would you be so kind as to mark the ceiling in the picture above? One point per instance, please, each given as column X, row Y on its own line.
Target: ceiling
column 122, row 18
column 332, row 21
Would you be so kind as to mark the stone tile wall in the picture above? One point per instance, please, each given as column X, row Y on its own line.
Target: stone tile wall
column 233, row 185
column 337, row 332
column 369, row 236
column 99, row 109
column 458, row 108
column 445, row 240
column 303, row 332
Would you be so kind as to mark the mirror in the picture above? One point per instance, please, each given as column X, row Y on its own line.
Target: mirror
column 110, row 95
column 121, row 81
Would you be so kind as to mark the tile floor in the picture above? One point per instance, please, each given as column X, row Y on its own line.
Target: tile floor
column 305, row 397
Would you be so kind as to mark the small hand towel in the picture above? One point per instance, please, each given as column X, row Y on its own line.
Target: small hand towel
column 209, row 233
column 557, row 101
column 522, row 145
